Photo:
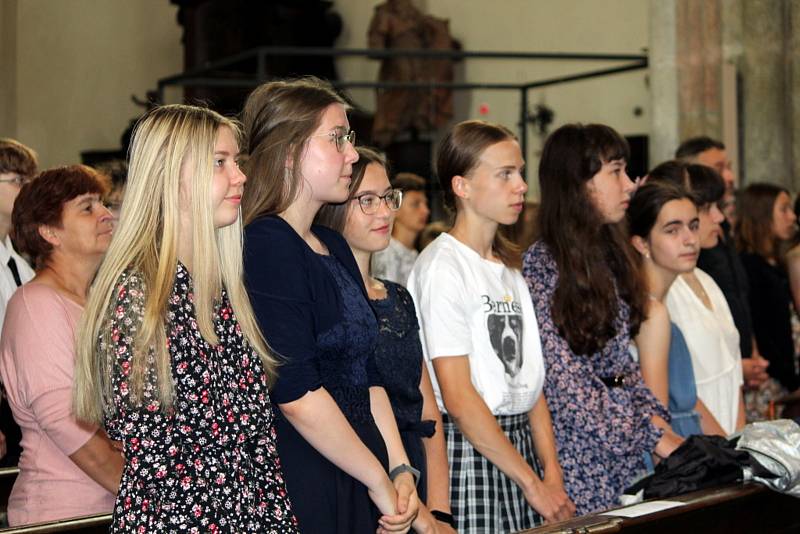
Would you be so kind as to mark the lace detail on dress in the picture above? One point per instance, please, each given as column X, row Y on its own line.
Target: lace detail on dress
column 347, row 363
column 398, row 356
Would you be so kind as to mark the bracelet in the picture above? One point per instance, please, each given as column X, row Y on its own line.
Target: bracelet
column 404, row 468
column 444, row 517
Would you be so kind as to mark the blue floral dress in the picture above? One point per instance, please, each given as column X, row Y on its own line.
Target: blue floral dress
column 602, row 433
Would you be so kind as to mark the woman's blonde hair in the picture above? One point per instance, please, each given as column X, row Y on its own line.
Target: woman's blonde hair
column 166, row 141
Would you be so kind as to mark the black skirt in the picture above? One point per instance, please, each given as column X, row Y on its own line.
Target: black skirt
column 325, row 499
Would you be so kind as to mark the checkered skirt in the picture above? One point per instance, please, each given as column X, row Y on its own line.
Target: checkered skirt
column 483, row 499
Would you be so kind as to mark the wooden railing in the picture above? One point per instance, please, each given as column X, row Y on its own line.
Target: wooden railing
column 93, row 524
column 8, row 475
column 90, row 524
column 740, row 508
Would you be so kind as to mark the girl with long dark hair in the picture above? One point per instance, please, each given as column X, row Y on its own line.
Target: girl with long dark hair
column 698, row 307
column 765, row 224
column 589, row 300
column 664, row 225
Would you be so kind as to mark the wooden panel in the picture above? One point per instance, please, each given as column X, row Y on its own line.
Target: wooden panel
column 741, row 508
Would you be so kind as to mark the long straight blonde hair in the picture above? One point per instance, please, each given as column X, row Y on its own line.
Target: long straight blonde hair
column 166, row 140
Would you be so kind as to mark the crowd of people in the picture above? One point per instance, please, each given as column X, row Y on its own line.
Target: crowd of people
column 290, row 346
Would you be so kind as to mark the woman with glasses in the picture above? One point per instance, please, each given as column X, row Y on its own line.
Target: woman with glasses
column 67, row 468
column 346, row 470
column 366, row 222
column 481, row 342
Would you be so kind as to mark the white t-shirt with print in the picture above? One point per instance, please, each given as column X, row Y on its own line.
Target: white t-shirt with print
column 467, row 305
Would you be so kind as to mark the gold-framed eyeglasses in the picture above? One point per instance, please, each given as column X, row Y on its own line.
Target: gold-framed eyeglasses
column 16, row 179
column 339, row 138
column 370, row 202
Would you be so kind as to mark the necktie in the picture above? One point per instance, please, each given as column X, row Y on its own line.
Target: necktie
column 14, row 271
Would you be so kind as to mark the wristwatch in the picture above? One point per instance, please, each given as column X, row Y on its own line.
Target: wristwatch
column 404, row 468
column 444, row 517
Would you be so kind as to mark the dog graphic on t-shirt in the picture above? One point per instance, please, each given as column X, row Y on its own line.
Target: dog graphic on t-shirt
column 505, row 333
column 504, row 322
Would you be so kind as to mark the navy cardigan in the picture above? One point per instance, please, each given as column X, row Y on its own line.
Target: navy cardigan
column 294, row 297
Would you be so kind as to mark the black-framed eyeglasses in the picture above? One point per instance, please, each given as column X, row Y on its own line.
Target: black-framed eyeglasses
column 370, row 202
column 339, row 137
column 17, row 179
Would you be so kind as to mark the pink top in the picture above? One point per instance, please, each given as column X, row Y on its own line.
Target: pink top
column 36, row 365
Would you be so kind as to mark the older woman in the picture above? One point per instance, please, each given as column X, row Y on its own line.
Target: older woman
column 67, row 468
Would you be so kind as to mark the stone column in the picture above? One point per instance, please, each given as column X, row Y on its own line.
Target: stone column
column 732, row 58
column 767, row 112
column 685, row 73
column 664, row 135
column 699, row 56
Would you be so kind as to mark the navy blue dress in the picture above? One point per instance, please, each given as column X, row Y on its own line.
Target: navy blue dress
column 398, row 357
column 314, row 313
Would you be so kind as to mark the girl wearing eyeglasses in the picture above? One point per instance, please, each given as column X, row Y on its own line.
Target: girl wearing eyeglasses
column 366, row 221
column 482, row 343
column 345, row 466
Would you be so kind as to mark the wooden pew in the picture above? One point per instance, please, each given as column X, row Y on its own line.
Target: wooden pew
column 91, row 524
column 8, row 475
column 739, row 508
column 94, row 524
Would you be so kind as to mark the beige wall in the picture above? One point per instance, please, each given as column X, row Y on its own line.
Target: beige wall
column 77, row 63
column 8, row 67
column 73, row 64
column 608, row 26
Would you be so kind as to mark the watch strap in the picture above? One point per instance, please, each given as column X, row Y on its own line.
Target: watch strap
column 444, row 517
column 404, row 468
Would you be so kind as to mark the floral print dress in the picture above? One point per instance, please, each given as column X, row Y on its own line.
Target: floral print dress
column 208, row 463
column 602, row 433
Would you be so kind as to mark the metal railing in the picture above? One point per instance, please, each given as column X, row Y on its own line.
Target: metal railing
column 210, row 75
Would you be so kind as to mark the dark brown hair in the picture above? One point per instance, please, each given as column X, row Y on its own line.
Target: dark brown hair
column 334, row 216
column 41, row 203
column 704, row 183
column 595, row 262
column 408, row 181
column 279, row 117
column 648, row 202
column 754, row 212
column 16, row 157
column 459, row 154
column 697, row 145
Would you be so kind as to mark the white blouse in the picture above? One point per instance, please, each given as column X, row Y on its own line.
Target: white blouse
column 713, row 342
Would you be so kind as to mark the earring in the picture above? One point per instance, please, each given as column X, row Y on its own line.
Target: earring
column 647, row 255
